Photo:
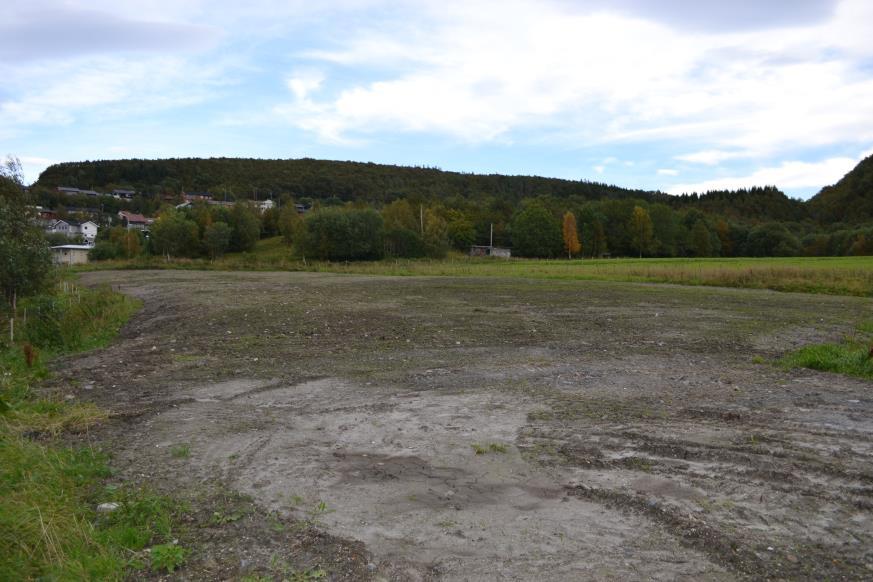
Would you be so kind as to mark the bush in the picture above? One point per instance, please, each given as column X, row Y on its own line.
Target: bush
column 104, row 251
column 76, row 321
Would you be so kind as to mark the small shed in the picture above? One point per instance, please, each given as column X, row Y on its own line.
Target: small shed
column 70, row 254
column 490, row 251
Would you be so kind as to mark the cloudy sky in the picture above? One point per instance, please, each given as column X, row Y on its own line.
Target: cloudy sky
column 676, row 95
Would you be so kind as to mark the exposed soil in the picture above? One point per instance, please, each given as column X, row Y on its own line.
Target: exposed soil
column 472, row 429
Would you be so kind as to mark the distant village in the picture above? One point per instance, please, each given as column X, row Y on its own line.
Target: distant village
column 78, row 236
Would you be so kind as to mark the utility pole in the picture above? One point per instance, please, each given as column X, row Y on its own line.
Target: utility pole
column 421, row 217
column 491, row 240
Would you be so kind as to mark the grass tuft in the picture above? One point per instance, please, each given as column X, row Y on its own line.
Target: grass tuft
column 851, row 357
column 846, row 358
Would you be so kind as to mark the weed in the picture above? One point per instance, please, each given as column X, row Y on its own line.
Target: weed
column 319, row 510
column 167, row 557
column 638, row 464
column 182, row 451
column 219, row 518
column 759, row 360
column 30, row 354
column 492, row 448
column 275, row 523
column 287, row 572
column 296, row 500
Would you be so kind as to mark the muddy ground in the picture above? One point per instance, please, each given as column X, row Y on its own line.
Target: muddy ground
column 482, row 429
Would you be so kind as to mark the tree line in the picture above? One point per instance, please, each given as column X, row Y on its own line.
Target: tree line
column 544, row 227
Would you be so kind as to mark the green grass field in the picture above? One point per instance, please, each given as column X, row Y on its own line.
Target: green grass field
column 829, row 275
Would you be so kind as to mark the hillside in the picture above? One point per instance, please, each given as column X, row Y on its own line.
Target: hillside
column 319, row 179
column 849, row 200
column 379, row 183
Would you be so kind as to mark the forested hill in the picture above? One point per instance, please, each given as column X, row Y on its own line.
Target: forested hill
column 379, row 184
column 849, row 200
column 318, row 179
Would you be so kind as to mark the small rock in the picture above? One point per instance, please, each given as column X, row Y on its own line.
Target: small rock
column 154, row 348
column 108, row 507
column 371, row 566
column 791, row 558
column 70, row 397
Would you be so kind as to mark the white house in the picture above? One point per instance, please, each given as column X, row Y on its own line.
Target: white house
column 263, row 205
column 70, row 254
column 72, row 228
column 88, row 230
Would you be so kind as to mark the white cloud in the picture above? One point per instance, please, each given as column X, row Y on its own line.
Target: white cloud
column 667, row 172
column 713, row 157
column 305, row 82
column 108, row 87
column 479, row 71
column 787, row 175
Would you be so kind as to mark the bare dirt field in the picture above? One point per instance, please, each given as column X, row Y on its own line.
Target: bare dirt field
column 483, row 429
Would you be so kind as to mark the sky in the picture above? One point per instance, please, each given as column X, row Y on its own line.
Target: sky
column 671, row 95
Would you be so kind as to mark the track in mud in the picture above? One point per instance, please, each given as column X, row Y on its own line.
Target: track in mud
column 481, row 429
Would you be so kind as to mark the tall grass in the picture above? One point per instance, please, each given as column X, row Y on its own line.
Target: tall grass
column 829, row 275
column 48, row 527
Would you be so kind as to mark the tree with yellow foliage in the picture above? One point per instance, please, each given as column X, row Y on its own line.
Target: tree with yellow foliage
column 571, row 235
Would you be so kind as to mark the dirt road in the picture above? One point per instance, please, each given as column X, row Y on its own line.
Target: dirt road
column 471, row 429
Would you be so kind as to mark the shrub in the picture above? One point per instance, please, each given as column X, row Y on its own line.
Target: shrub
column 104, row 251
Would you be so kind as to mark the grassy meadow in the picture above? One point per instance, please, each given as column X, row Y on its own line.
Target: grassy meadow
column 829, row 275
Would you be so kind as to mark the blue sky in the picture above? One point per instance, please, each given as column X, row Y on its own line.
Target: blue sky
column 672, row 95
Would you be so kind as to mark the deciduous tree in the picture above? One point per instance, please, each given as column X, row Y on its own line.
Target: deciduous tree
column 641, row 229
column 536, row 233
column 25, row 257
column 174, row 235
column 571, row 235
column 216, row 239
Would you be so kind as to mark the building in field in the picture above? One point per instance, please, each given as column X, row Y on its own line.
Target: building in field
column 490, row 251
column 70, row 254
